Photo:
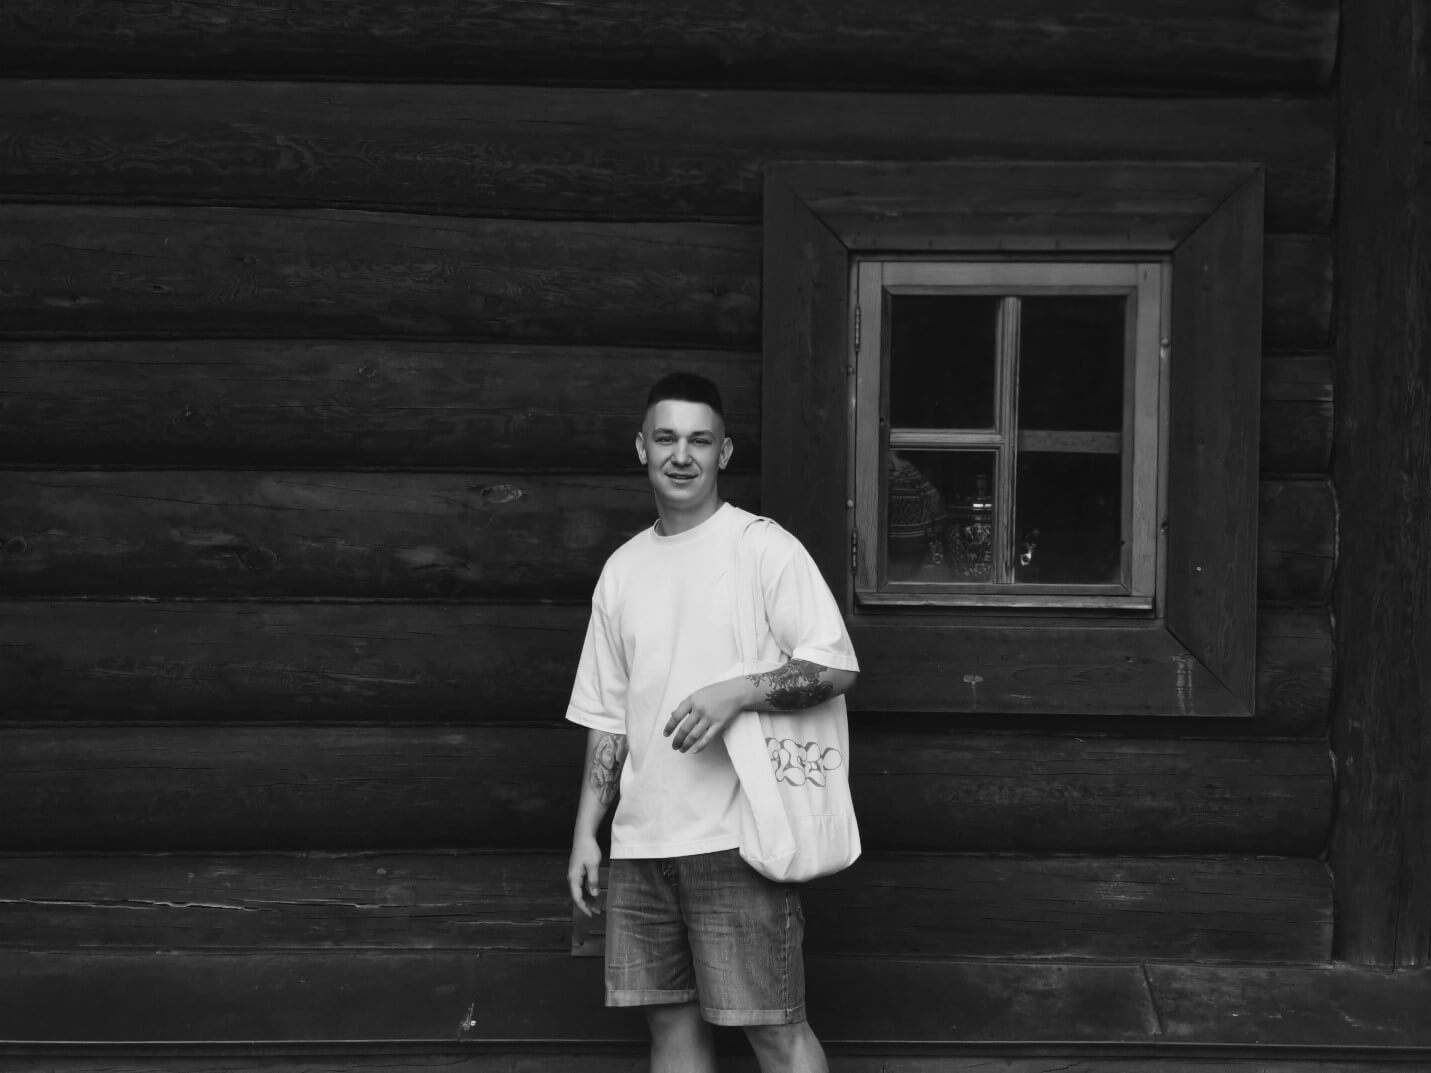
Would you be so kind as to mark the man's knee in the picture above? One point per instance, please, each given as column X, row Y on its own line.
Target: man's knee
column 676, row 1019
column 783, row 1041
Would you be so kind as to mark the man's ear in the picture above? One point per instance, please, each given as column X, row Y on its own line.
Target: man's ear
column 641, row 447
column 726, row 450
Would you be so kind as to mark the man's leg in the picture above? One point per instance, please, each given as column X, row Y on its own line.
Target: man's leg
column 786, row 1048
column 681, row 1041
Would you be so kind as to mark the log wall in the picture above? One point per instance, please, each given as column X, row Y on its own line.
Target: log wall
column 323, row 335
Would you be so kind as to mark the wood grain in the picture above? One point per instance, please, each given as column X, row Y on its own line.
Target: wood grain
column 88, row 271
column 1186, row 45
column 1197, row 908
column 287, row 534
column 891, row 1001
column 317, row 534
column 305, row 404
column 160, row 272
column 537, row 997
column 1295, row 669
column 1382, row 470
column 248, row 787
column 596, row 1057
column 478, row 663
column 356, row 404
column 805, row 421
column 664, row 153
column 1217, row 335
column 1104, row 207
column 1296, row 541
column 1297, row 413
column 1293, row 1006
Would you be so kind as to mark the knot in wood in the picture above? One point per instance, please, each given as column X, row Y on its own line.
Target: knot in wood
column 497, row 494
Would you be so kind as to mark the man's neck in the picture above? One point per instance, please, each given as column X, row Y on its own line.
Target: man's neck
column 673, row 523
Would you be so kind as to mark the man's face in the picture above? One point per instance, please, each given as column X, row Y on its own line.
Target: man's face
column 683, row 446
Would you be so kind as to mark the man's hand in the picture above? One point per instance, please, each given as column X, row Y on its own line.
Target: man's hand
column 582, row 872
column 703, row 716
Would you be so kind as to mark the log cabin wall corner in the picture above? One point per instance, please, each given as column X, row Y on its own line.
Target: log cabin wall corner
column 323, row 334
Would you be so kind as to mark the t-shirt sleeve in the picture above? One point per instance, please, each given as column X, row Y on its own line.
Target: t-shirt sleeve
column 598, row 697
column 804, row 619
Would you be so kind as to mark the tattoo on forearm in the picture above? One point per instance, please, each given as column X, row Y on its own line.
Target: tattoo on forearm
column 793, row 685
column 607, row 760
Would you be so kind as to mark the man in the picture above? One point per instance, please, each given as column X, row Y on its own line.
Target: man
column 694, row 935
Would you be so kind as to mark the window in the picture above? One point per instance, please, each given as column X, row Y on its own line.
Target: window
column 1146, row 606
column 1006, row 433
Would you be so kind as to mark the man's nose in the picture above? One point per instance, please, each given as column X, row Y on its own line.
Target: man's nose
column 683, row 453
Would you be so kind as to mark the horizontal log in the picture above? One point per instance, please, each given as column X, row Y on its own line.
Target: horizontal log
column 1297, row 413
column 505, row 998
column 661, row 153
column 448, row 995
column 908, row 784
column 246, row 787
column 1206, row 909
column 1185, row 45
column 632, row 1057
column 321, row 534
column 1296, row 541
column 1294, row 1006
column 385, row 405
column 161, row 272
column 463, row 663
column 405, row 535
column 259, row 661
column 594, row 1057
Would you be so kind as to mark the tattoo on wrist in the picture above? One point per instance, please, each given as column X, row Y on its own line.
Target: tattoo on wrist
column 607, row 759
column 793, row 685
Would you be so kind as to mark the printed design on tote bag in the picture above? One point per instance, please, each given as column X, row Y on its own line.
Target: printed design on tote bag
column 801, row 765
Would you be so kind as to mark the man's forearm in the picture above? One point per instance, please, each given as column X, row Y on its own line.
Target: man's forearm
column 605, row 757
column 797, row 684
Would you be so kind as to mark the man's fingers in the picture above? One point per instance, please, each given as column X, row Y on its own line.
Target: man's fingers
column 578, row 899
column 682, row 710
column 688, row 732
column 583, row 882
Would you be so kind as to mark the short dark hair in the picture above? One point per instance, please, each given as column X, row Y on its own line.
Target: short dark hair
column 687, row 387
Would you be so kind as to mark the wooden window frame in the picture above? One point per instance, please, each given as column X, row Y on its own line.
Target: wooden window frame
column 1197, row 656
column 1142, row 281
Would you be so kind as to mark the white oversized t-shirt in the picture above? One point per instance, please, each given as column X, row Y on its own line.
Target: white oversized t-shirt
column 662, row 627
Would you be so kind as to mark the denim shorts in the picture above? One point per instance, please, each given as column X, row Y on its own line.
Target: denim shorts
column 707, row 929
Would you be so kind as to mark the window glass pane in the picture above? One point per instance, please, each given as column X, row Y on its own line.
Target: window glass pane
column 1071, row 353
column 1068, row 518
column 940, row 516
column 942, row 360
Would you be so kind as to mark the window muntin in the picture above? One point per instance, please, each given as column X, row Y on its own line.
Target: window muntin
column 1006, row 433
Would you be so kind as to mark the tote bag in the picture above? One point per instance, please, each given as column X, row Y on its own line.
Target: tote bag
column 797, row 816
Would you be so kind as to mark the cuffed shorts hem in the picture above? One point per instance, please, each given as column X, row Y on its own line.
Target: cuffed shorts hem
column 650, row 998
column 706, row 928
column 738, row 1018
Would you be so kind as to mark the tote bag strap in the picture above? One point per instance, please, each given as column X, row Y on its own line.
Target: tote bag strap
column 745, row 584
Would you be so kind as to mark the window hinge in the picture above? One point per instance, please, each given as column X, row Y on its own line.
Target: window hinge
column 854, row 551
column 857, row 330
